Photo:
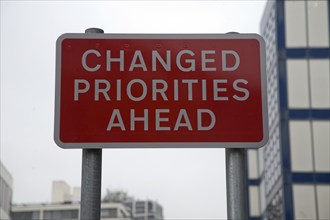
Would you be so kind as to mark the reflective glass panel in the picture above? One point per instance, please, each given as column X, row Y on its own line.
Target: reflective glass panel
column 304, row 202
column 254, row 201
column 297, row 74
column 253, row 164
column 323, row 201
column 295, row 24
column 301, row 146
column 318, row 23
column 320, row 83
column 321, row 137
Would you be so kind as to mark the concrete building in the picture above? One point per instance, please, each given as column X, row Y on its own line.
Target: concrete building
column 66, row 211
column 6, row 189
column 289, row 178
column 65, row 205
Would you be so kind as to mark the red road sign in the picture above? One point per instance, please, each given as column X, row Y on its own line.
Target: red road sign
column 160, row 91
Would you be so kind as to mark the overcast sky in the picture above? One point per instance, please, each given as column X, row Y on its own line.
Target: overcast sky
column 188, row 183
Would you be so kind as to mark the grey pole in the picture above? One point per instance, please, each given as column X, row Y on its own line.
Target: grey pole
column 236, row 184
column 90, row 207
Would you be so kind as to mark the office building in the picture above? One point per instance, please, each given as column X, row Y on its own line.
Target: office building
column 140, row 209
column 6, row 189
column 289, row 178
column 145, row 210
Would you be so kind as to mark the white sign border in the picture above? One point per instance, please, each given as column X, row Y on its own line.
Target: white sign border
column 98, row 145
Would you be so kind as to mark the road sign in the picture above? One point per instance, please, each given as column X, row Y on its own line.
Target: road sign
column 131, row 90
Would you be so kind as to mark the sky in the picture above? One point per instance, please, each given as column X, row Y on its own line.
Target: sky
column 188, row 183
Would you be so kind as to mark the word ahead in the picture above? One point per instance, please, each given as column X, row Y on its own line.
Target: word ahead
column 160, row 91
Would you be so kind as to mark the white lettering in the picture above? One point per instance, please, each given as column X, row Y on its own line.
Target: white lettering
column 240, row 89
column 182, row 114
column 189, row 61
column 161, row 91
column 156, row 56
column 118, row 90
column 189, row 83
column 216, row 89
column 104, row 91
column 200, row 126
column 144, row 119
column 120, row 60
column 176, row 90
column 204, row 90
column 116, row 114
column 224, row 60
column 205, row 60
column 138, row 56
column 163, row 119
column 84, row 57
column 77, row 91
column 129, row 89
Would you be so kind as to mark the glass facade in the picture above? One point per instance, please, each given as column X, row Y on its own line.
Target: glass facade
column 289, row 178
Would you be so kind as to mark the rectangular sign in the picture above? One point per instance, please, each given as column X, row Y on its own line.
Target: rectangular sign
column 167, row 90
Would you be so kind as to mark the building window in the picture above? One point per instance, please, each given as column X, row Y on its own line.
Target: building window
column 263, row 203
column 320, row 82
column 304, row 202
column 301, row 146
column 321, row 131
column 318, row 25
column 295, row 24
column 308, row 79
column 150, row 207
column 261, row 160
column 298, row 92
column 306, row 23
column 253, row 164
column 323, row 201
column 109, row 213
column 33, row 215
column 310, row 146
column 140, row 207
column 254, row 201
column 60, row 214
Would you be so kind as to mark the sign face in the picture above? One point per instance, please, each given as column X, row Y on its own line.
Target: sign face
column 150, row 91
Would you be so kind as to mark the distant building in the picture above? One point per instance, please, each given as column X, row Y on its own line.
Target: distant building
column 145, row 210
column 66, row 211
column 140, row 209
column 65, row 204
column 6, row 189
column 61, row 192
column 289, row 178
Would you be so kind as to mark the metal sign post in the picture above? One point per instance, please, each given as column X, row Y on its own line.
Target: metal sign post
column 236, row 187
column 90, row 207
column 107, row 86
